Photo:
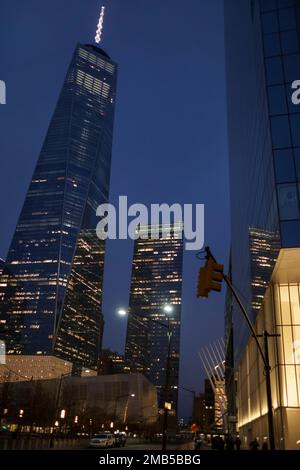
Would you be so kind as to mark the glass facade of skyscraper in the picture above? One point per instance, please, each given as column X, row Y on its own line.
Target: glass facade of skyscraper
column 52, row 280
column 262, row 40
column 156, row 281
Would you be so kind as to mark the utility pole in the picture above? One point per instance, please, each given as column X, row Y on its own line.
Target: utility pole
column 166, row 392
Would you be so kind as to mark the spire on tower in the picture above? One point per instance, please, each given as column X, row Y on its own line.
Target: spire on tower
column 100, row 26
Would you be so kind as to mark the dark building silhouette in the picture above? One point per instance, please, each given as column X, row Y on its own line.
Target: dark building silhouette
column 110, row 362
column 204, row 409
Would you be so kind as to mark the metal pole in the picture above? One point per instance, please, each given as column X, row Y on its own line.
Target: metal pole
column 166, row 389
column 266, row 335
column 165, row 419
column 55, row 410
column 246, row 318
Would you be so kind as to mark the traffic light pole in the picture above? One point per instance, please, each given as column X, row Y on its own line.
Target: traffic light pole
column 264, row 355
column 166, row 391
column 266, row 335
column 168, row 326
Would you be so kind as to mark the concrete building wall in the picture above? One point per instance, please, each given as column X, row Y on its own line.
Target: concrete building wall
column 90, row 403
column 19, row 368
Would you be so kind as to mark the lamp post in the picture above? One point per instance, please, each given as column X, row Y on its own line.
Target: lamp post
column 167, row 309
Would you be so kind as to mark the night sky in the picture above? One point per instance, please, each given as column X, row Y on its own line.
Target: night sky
column 170, row 140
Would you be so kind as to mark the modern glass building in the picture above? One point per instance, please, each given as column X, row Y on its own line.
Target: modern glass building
column 262, row 40
column 156, row 281
column 52, row 280
column 262, row 61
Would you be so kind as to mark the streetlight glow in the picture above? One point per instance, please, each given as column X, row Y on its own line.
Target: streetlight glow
column 168, row 308
column 122, row 312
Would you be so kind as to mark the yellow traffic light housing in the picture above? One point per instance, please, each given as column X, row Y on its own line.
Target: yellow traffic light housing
column 202, row 290
column 210, row 278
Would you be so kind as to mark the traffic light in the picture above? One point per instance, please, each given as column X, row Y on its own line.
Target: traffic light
column 202, row 290
column 210, row 278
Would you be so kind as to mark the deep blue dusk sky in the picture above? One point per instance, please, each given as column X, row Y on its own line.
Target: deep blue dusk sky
column 169, row 138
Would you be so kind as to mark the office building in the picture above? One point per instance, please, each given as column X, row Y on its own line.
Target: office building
column 52, row 280
column 204, row 409
column 111, row 362
column 262, row 62
column 156, row 281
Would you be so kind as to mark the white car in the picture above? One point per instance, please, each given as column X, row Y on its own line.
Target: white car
column 102, row 440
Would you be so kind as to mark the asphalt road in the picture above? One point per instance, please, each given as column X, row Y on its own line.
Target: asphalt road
column 150, row 446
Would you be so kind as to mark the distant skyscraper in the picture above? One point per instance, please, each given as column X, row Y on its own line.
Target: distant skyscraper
column 110, row 363
column 204, row 409
column 52, row 281
column 156, row 281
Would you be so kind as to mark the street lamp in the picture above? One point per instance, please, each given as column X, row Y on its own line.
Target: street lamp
column 131, row 395
column 122, row 312
column 167, row 308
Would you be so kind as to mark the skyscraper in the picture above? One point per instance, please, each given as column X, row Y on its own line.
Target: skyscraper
column 52, row 280
column 262, row 60
column 156, row 281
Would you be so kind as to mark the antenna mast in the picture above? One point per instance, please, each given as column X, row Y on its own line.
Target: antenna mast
column 100, row 26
